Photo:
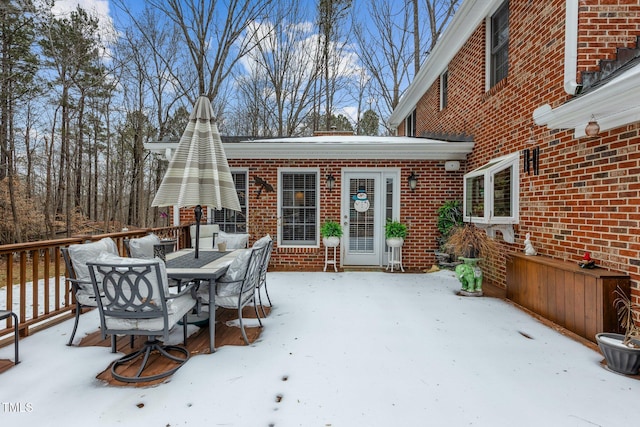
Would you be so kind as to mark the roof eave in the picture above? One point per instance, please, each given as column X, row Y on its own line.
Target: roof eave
column 613, row 105
column 464, row 23
column 395, row 151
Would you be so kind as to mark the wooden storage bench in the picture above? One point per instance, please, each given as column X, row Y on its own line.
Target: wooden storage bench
column 580, row 300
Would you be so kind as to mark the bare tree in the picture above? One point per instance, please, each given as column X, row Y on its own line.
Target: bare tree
column 283, row 69
column 385, row 52
column 214, row 46
column 330, row 17
column 387, row 48
column 416, row 36
column 152, row 69
column 439, row 13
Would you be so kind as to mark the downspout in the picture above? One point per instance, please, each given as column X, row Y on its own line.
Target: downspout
column 571, row 47
column 544, row 114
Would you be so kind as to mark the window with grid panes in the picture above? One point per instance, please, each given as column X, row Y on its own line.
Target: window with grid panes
column 444, row 89
column 229, row 220
column 500, row 44
column 299, row 208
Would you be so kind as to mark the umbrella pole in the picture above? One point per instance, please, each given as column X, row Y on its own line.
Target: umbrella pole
column 198, row 213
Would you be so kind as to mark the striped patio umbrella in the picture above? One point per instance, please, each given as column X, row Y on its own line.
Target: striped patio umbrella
column 198, row 174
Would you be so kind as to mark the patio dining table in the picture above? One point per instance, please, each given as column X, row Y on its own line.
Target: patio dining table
column 209, row 266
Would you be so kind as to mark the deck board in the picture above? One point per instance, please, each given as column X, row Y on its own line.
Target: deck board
column 197, row 344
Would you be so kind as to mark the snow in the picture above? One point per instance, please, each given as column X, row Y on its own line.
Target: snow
column 340, row 349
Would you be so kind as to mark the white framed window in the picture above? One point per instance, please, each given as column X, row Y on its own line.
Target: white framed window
column 298, row 207
column 444, row 89
column 497, row 38
column 229, row 220
column 491, row 192
column 410, row 124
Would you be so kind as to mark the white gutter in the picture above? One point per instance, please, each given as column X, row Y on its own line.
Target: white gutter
column 613, row 105
column 396, row 151
column 360, row 148
column 571, row 47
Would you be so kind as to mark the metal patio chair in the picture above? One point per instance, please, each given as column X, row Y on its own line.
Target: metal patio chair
column 267, row 243
column 136, row 301
column 5, row 314
column 236, row 289
column 75, row 259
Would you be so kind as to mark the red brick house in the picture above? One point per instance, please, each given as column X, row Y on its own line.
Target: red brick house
column 288, row 187
column 525, row 79
column 507, row 81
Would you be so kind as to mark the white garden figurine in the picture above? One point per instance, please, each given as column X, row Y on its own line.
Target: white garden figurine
column 528, row 247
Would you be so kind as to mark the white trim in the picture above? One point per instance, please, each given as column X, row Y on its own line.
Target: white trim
column 488, row 171
column 381, row 175
column 339, row 147
column 614, row 104
column 465, row 22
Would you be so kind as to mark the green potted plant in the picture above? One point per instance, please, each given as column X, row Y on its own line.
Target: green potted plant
column 395, row 232
column 622, row 352
column 331, row 232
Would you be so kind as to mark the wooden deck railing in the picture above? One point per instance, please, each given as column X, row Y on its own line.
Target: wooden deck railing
column 34, row 284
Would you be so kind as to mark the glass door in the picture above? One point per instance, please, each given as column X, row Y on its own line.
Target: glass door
column 368, row 198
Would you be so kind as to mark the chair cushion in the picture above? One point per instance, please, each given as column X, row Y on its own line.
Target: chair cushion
column 206, row 235
column 86, row 297
column 142, row 247
column 238, row 266
column 82, row 252
column 261, row 242
column 176, row 309
column 124, row 261
column 231, row 282
column 234, row 240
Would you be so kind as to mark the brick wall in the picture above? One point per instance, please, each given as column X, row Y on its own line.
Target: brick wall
column 418, row 209
column 586, row 196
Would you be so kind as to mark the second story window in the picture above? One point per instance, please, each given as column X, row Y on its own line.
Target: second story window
column 444, row 89
column 410, row 124
column 499, row 44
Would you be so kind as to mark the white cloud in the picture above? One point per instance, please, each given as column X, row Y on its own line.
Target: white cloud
column 96, row 8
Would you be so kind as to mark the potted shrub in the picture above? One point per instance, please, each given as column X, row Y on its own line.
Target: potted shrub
column 468, row 241
column 395, row 232
column 470, row 244
column 331, row 232
column 622, row 352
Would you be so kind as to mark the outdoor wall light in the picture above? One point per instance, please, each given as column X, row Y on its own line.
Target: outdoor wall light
column 413, row 181
column 593, row 128
column 331, row 181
